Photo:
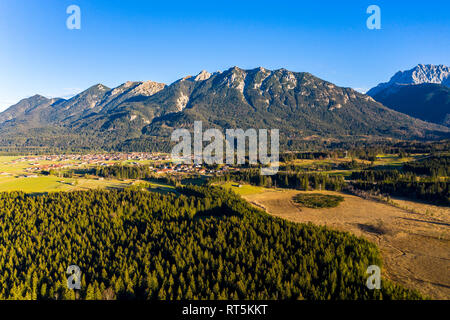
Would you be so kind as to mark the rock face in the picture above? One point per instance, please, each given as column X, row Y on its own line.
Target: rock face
column 422, row 92
column 203, row 75
column 127, row 91
column 420, row 74
column 298, row 103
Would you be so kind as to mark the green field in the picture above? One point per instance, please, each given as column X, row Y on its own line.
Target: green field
column 244, row 189
column 32, row 185
column 42, row 184
column 14, row 177
column 390, row 160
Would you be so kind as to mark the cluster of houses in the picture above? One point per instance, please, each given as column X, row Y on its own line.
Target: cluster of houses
column 160, row 163
column 96, row 158
column 190, row 168
column 81, row 160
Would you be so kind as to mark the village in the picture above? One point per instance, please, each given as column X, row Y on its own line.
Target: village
column 158, row 163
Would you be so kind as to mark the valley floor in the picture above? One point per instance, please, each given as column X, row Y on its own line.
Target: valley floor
column 415, row 245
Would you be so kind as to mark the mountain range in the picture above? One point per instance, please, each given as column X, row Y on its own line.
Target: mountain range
column 420, row 74
column 422, row 92
column 141, row 115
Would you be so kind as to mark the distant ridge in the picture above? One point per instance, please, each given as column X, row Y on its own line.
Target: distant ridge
column 438, row 74
column 141, row 115
column 422, row 92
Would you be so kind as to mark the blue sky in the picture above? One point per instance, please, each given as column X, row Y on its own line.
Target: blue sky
column 166, row 40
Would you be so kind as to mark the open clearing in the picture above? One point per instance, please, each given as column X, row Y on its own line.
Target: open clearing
column 43, row 184
column 14, row 177
column 245, row 189
column 415, row 246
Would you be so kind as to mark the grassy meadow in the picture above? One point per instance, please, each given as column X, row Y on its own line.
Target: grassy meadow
column 15, row 177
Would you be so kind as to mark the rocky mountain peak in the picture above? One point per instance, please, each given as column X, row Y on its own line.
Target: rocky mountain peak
column 203, row 75
column 148, row 88
column 420, row 74
column 100, row 87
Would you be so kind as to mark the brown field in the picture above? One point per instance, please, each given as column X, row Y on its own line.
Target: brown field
column 415, row 246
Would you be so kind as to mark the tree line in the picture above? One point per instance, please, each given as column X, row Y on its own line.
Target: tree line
column 427, row 180
column 294, row 180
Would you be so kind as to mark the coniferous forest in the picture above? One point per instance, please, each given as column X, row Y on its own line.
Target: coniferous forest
column 425, row 180
column 295, row 180
column 204, row 243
